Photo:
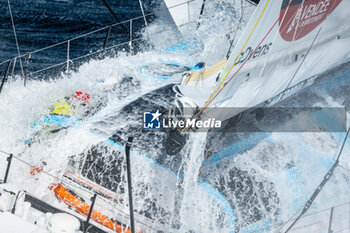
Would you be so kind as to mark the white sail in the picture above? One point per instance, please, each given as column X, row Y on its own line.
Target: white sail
column 284, row 43
column 184, row 11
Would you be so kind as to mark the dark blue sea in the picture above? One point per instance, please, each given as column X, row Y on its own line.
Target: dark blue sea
column 41, row 23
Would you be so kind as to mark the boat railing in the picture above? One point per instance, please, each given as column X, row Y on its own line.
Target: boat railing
column 16, row 162
column 332, row 219
column 129, row 44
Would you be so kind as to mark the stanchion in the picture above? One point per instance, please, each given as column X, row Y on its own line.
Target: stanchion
column 5, row 75
column 28, row 56
column 9, row 160
column 86, row 223
column 128, row 170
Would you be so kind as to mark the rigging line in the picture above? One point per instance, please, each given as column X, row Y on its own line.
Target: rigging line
column 15, row 34
column 304, row 58
column 282, row 224
column 306, row 52
column 4, row 152
column 201, row 72
column 273, row 43
column 212, row 46
column 144, row 18
column 116, row 18
column 104, row 200
column 13, row 67
column 228, row 54
column 81, row 36
column 295, row 31
column 208, row 103
column 67, row 183
column 42, row 171
column 52, row 176
column 284, row 90
column 321, row 185
column 239, row 54
column 211, row 156
column 4, row 80
column 275, row 105
column 205, row 157
column 292, row 217
column 218, row 90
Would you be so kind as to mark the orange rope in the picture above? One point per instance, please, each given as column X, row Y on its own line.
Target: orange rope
column 84, row 208
column 211, row 156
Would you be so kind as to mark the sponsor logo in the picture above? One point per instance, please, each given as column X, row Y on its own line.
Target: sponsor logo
column 191, row 123
column 155, row 120
column 151, row 120
column 303, row 16
column 261, row 51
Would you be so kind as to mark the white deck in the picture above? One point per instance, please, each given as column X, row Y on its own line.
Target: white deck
column 11, row 223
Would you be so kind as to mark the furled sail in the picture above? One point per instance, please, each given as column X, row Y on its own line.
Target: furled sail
column 285, row 43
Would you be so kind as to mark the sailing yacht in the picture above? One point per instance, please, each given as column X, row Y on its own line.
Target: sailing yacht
column 285, row 47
